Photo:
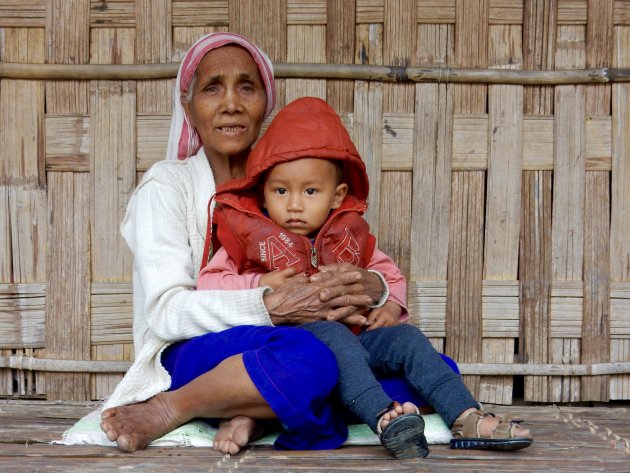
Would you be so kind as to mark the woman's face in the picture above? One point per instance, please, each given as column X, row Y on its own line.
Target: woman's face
column 228, row 102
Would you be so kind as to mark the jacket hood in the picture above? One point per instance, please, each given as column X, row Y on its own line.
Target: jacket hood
column 306, row 128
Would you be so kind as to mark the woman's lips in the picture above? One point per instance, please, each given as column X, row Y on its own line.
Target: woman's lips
column 231, row 130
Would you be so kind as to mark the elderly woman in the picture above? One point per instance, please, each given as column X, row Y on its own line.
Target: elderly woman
column 227, row 355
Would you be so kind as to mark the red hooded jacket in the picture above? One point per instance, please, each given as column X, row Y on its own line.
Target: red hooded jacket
column 307, row 127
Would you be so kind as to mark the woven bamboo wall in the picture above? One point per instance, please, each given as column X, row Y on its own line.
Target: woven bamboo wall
column 507, row 206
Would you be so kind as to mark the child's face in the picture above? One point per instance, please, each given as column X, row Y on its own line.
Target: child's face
column 300, row 194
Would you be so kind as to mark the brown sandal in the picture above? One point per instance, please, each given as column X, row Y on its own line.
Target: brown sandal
column 466, row 434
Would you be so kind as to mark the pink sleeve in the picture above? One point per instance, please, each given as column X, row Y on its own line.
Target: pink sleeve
column 221, row 273
column 395, row 280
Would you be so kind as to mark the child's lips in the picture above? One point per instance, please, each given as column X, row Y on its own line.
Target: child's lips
column 294, row 223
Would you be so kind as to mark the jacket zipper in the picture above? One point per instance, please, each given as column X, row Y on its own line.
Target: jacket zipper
column 318, row 240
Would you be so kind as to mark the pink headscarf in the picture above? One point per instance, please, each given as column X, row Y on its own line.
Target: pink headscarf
column 184, row 141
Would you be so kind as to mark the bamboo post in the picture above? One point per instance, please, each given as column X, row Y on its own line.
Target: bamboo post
column 595, row 340
column 285, row 70
column 539, row 35
column 492, row 369
column 68, row 272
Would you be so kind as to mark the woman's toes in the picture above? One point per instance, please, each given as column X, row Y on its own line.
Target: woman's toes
column 111, row 433
column 125, row 444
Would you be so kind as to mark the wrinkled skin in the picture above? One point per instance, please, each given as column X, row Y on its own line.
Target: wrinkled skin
column 340, row 292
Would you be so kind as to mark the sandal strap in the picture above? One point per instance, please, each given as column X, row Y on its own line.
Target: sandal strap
column 505, row 428
column 470, row 425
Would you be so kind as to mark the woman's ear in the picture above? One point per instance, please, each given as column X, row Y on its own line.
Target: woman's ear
column 186, row 107
column 340, row 193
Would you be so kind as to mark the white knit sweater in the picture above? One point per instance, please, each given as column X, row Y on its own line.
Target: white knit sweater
column 165, row 228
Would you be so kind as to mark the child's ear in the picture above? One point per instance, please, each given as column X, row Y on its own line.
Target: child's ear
column 340, row 193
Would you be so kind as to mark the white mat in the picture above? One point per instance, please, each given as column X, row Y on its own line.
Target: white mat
column 87, row 431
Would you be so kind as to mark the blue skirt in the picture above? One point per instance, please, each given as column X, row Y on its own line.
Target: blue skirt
column 293, row 371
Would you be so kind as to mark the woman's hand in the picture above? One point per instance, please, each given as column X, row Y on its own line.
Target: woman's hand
column 366, row 282
column 333, row 296
column 338, row 292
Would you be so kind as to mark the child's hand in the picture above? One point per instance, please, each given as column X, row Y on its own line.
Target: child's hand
column 275, row 279
column 385, row 316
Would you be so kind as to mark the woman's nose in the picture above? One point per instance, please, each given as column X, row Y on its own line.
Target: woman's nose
column 231, row 100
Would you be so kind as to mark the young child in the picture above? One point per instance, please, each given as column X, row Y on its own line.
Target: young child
column 300, row 207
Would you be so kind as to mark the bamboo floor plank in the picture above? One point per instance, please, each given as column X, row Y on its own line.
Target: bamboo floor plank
column 575, row 439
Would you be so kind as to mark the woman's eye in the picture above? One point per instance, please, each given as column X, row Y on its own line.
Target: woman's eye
column 248, row 88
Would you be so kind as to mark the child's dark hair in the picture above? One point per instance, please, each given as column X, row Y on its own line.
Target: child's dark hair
column 339, row 167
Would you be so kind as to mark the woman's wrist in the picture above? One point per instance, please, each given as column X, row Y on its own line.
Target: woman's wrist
column 282, row 306
column 270, row 304
column 380, row 291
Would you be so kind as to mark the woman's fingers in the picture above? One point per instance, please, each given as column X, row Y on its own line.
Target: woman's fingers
column 347, row 274
column 336, row 294
column 334, row 285
column 347, row 315
column 330, row 270
column 295, row 302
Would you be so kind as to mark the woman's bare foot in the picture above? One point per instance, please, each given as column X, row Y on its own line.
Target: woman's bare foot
column 235, row 433
column 135, row 426
column 489, row 423
column 399, row 409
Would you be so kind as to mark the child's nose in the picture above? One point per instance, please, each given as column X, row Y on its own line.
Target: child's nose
column 295, row 203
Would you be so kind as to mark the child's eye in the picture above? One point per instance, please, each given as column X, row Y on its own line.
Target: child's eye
column 281, row 191
column 311, row 191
